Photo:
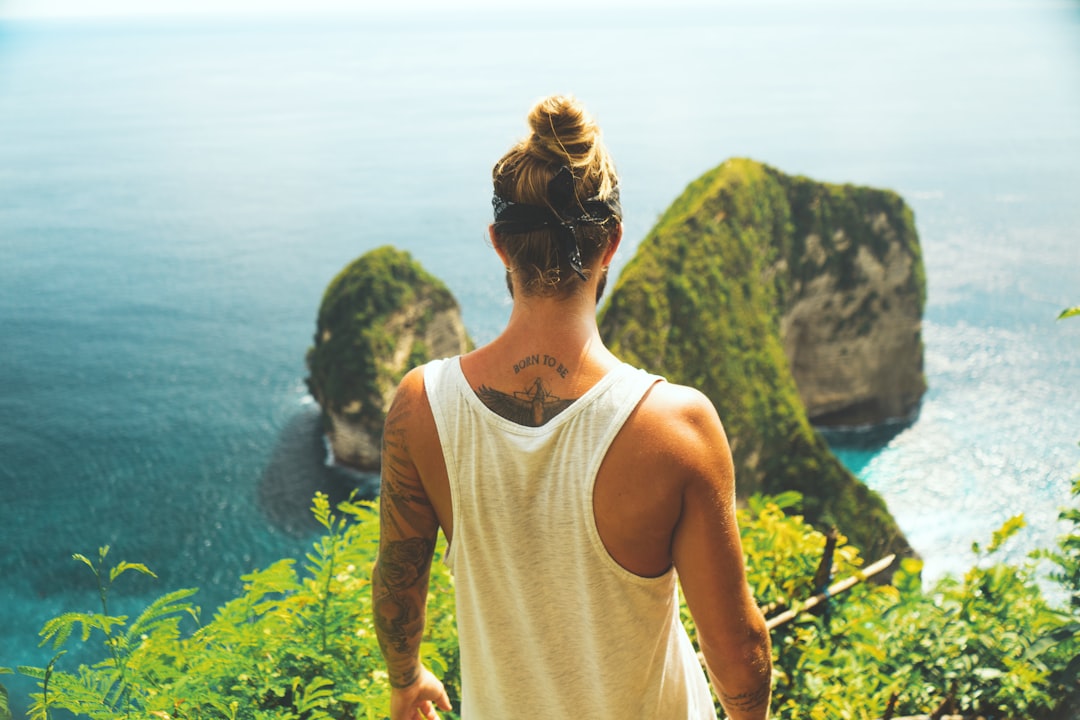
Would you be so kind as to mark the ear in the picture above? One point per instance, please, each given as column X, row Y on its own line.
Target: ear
column 499, row 250
column 613, row 245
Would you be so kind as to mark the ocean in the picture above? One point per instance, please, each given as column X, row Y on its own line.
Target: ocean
column 175, row 194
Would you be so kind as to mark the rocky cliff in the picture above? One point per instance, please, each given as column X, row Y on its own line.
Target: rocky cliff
column 851, row 291
column 381, row 316
column 753, row 282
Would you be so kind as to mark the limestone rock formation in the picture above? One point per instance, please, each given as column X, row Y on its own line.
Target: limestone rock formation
column 722, row 295
column 381, row 316
column 851, row 293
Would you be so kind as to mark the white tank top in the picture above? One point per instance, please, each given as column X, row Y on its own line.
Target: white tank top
column 549, row 624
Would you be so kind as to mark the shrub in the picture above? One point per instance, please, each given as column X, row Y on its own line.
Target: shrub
column 293, row 645
column 301, row 643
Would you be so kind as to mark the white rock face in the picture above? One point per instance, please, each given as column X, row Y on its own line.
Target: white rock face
column 856, row 352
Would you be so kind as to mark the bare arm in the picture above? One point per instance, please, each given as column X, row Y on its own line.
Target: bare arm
column 408, row 529
column 708, row 556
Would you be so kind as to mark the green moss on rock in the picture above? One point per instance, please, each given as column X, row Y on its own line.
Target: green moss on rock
column 376, row 321
column 701, row 302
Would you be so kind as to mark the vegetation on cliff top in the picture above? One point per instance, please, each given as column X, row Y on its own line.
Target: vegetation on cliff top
column 820, row 210
column 700, row 302
column 300, row 643
column 350, row 362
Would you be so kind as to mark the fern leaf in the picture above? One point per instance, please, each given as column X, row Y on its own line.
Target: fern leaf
column 278, row 578
column 58, row 629
column 1006, row 531
column 104, row 681
column 360, row 509
column 38, row 710
column 320, row 508
column 83, row 559
column 124, row 566
column 316, row 694
column 44, row 673
column 104, row 623
column 5, row 709
column 164, row 607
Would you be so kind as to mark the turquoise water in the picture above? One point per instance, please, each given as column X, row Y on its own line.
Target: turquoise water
column 175, row 197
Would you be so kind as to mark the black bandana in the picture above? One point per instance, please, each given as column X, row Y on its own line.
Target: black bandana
column 565, row 214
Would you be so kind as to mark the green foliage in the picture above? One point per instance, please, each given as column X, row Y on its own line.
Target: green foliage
column 5, row 710
column 977, row 638
column 989, row 640
column 1066, row 572
column 1012, row 526
column 293, row 645
column 1067, row 557
column 814, row 654
column 301, row 643
column 355, row 340
column 1069, row 312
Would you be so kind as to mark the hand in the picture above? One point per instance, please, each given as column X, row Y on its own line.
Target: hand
column 422, row 697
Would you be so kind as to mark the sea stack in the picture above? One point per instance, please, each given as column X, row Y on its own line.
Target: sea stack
column 382, row 315
column 851, row 291
column 784, row 300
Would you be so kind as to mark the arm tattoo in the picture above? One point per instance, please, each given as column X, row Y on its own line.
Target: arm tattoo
column 403, row 501
column 400, row 576
column 748, row 700
column 407, row 531
column 533, row 406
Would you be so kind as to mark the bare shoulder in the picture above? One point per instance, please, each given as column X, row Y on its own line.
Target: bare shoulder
column 399, row 428
column 411, row 449
column 679, row 402
column 687, row 431
column 411, row 388
column 409, row 410
column 409, row 420
column 682, row 414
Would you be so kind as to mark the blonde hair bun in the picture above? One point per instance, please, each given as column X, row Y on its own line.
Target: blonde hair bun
column 563, row 132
